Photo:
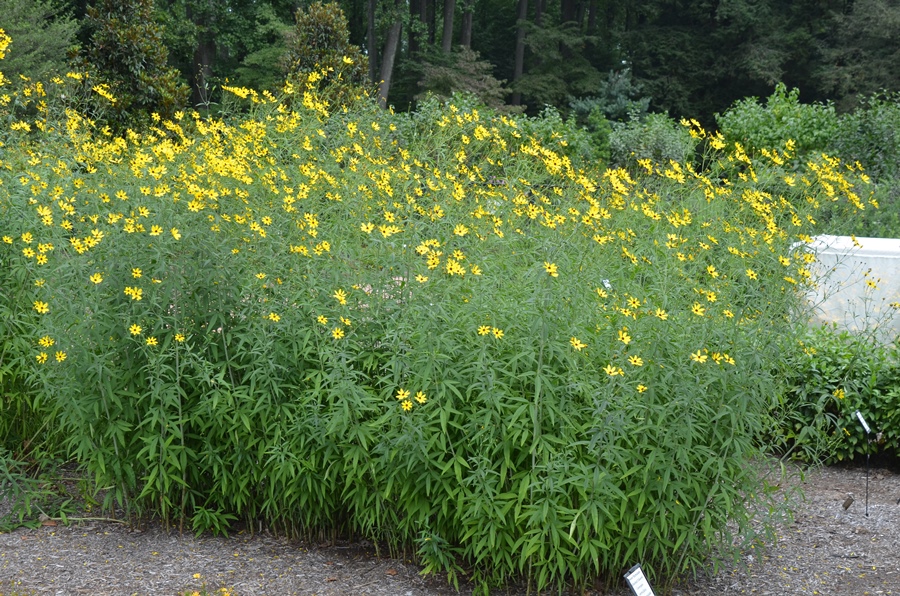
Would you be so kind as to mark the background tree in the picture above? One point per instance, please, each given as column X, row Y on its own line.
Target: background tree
column 211, row 40
column 43, row 36
column 126, row 52
column 319, row 42
column 861, row 55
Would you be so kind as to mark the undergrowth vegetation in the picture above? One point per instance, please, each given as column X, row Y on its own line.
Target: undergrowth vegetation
column 827, row 380
column 443, row 331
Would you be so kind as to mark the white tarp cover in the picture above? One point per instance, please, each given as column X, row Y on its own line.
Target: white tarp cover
column 858, row 281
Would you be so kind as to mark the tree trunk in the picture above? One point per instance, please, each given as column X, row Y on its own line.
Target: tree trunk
column 539, row 13
column 465, row 34
column 413, row 33
column 430, row 17
column 447, row 38
column 592, row 17
column 371, row 45
column 204, row 55
column 387, row 61
column 568, row 11
column 519, row 67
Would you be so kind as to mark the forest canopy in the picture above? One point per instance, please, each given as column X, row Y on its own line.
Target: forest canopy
column 691, row 58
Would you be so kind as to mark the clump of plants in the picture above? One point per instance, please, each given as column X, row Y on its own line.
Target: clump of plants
column 829, row 375
column 444, row 332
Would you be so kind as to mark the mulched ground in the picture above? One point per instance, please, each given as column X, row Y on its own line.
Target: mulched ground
column 824, row 550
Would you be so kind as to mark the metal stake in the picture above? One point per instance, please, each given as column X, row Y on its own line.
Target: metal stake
column 868, row 430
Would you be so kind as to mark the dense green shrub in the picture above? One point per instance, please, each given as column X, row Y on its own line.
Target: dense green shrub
column 655, row 137
column 756, row 126
column 828, row 376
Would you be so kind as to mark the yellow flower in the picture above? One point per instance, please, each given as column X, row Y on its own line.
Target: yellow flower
column 551, row 269
column 839, row 393
column 367, row 227
column 635, row 361
column 698, row 356
column 577, row 344
column 273, row 317
column 406, row 405
column 41, row 358
column 136, row 273
column 341, row 296
column 135, row 330
column 712, row 271
column 484, row 330
column 41, row 307
column 96, row 278
column 151, row 341
column 176, row 234
column 460, row 230
column 155, row 230
column 728, row 314
column 135, row 293
column 420, row 397
column 751, row 274
column 613, row 370
column 46, row 341
column 661, row 314
column 698, row 309
column 337, row 333
column 641, row 388
column 623, row 336
column 402, row 394
column 322, row 319
column 421, row 279
column 260, row 276
column 179, row 337
column 498, row 333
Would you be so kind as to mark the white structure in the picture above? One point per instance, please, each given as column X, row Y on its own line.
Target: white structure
column 858, row 284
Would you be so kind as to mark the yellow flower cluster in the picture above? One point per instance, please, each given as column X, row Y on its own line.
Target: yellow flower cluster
column 406, row 402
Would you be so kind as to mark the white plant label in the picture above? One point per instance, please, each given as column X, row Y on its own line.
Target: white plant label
column 863, row 422
column 637, row 582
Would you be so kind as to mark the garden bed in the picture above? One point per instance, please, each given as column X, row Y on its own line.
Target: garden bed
column 824, row 550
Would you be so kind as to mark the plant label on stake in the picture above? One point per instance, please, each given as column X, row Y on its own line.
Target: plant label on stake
column 863, row 422
column 637, row 582
column 868, row 431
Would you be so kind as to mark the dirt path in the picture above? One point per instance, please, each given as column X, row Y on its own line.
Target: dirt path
column 826, row 550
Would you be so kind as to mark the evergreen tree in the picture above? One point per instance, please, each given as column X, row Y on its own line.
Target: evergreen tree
column 42, row 38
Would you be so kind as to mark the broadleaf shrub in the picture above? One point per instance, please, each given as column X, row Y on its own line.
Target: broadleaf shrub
column 812, row 127
column 830, row 374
